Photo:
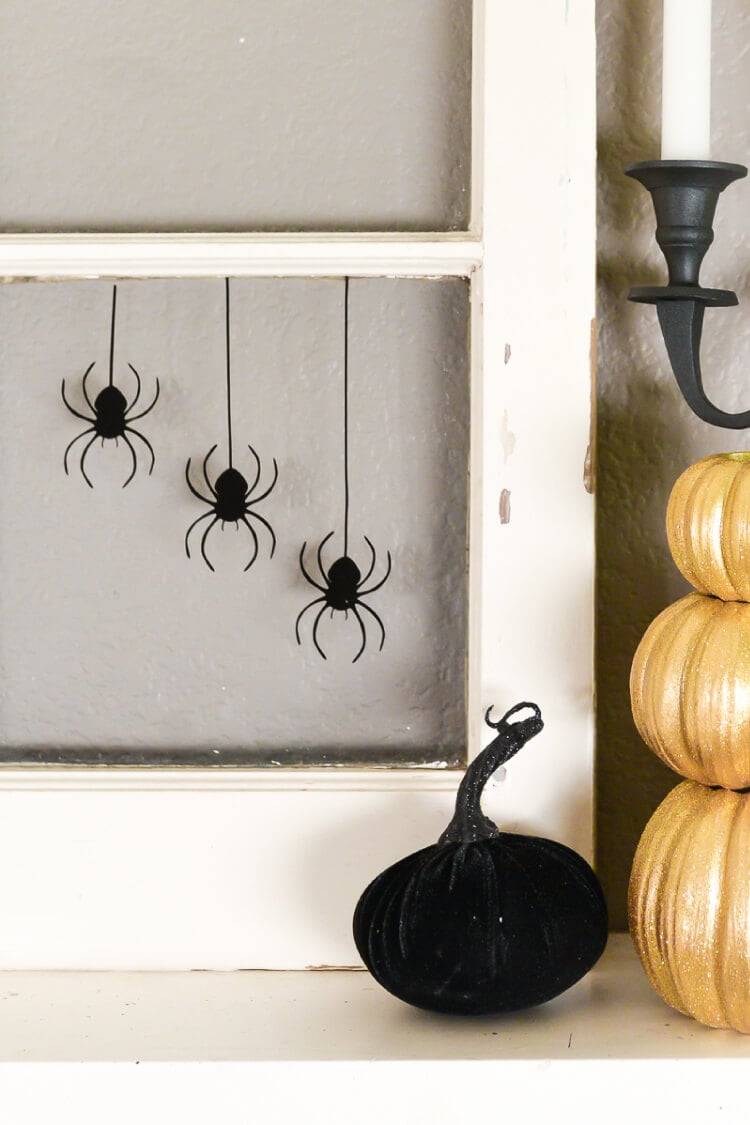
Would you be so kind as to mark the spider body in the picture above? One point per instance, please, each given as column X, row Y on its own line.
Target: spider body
column 342, row 589
column 343, row 583
column 110, row 407
column 231, row 500
column 231, row 493
column 110, row 419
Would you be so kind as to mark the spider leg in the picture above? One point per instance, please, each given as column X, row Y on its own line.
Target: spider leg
column 146, row 442
column 192, row 525
column 372, row 564
column 192, row 487
column 70, row 446
column 364, row 634
column 264, row 521
column 320, row 554
column 309, row 605
column 307, row 576
column 77, row 413
column 361, row 593
column 135, row 461
column 86, row 374
column 148, row 409
column 256, row 458
column 211, row 488
column 203, row 543
column 380, row 623
column 255, row 542
column 137, row 390
column 270, row 487
column 83, row 458
column 315, row 632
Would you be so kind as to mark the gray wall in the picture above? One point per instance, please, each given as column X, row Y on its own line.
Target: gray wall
column 343, row 115
column 111, row 638
column 285, row 114
column 646, row 434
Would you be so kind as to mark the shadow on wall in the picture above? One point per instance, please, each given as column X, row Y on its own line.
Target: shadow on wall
column 638, row 443
column 646, row 433
column 632, row 588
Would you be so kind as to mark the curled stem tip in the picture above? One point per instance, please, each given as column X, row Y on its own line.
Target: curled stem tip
column 469, row 822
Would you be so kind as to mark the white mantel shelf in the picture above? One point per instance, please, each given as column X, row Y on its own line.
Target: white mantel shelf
column 333, row 1046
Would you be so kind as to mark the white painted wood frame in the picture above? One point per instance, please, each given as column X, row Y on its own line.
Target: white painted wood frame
column 172, row 869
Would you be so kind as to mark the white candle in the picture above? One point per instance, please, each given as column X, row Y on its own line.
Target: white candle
column 686, row 81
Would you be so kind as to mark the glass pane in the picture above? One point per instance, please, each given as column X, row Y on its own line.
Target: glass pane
column 114, row 646
column 235, row 115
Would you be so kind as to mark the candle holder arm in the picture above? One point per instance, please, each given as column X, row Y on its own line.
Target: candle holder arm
column 685, row 194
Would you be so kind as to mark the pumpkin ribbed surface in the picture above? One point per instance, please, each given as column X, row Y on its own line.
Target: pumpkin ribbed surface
column 690, row 689
column 689, row 904
column 485, row 927
column 708, row 525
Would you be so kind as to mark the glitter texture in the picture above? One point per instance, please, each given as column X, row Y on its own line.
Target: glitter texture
column 689, row 904
column 690, row 690
column 708, row 525
column 689, row 896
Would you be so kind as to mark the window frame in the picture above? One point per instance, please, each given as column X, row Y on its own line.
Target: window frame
column 199, row 868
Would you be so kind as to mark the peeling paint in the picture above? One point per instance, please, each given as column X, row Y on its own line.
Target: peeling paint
column 588, row 471
column 504, row 506
column 507, row 438
column 589, row 462
column 506, row 358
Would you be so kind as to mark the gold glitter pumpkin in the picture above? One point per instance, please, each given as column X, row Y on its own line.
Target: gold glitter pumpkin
column 690, row 689
column 689, row 904
column 708, row 525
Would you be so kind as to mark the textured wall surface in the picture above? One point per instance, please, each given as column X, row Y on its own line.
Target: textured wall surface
column 110, row 637
column 646, row 434
column 348, row 114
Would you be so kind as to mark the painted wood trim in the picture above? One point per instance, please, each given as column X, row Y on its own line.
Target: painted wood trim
column 52, row 257
column 228, row 878
column 115, row 779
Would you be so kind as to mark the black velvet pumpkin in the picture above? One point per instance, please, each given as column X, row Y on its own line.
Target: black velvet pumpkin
column 483, row 921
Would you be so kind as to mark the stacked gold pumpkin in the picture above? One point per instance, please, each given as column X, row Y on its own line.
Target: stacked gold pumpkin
column 689, row 899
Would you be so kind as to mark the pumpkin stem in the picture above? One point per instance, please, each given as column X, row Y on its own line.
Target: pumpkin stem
column 469, row 822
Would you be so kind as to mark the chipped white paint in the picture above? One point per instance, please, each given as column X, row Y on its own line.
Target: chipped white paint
column 538, row 570
column 115, row 876
column 507, row 437
column 297, row 255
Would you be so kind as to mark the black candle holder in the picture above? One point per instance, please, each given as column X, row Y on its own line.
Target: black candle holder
column 685, row 194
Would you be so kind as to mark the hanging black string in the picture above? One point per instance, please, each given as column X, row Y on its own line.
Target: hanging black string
column 346, row 416
column 342, row 586
column 111, row 415
column 229, row 378
column 112, row 338
column 231, row 499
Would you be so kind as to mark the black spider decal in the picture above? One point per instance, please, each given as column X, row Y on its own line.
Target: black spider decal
column 111, row 415
column 342, row 590
column 111, row 419
column 231, row 501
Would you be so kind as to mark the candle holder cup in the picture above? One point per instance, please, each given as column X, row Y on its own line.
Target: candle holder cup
column 685, row 194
